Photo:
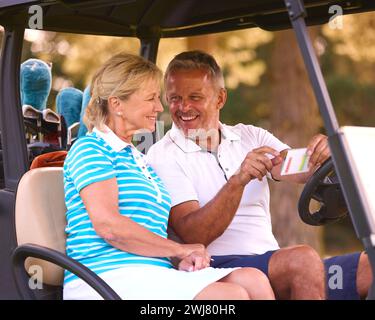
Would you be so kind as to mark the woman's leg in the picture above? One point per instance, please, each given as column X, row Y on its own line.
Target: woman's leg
column 241, row 284
column 254, row 281
column 223, row 291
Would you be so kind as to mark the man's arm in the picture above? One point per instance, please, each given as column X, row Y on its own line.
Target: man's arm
column 203, row 225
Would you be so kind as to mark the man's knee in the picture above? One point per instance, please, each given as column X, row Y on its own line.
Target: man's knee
column 297, row 273
column 301, row 259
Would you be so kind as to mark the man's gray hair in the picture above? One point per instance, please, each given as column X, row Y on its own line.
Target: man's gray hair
column 196, row 60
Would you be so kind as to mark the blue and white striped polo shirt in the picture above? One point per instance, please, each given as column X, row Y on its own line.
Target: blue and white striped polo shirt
column 142, row 197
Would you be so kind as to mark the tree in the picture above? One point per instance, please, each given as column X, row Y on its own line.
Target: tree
column 294, row 120
column 350, row 63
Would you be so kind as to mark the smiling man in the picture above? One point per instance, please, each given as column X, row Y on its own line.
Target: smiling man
column 217, row 177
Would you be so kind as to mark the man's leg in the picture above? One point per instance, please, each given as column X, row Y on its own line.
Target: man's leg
column 364, row 276
column 348, row 276
column 297, row 273
column 258, row 261
column 294, row 272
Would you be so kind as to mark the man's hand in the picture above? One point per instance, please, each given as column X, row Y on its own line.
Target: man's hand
column 318, row 150
column 256, row 164
column 195, row 261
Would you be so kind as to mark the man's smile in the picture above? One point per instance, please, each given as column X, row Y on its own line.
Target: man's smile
column 188, row 118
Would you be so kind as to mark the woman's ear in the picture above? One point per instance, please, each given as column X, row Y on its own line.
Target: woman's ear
column 114, row 105
column 222, row 98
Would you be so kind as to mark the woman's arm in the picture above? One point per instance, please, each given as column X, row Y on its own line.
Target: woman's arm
column 101, row 201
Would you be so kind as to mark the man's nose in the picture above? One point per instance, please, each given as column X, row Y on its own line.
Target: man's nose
column 184, row 105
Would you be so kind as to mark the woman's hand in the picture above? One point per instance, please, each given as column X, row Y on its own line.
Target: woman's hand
column 195, row 261
column 193, row 257
column 187, row 249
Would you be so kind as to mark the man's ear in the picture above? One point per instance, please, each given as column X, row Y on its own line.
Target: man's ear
column 222, row 98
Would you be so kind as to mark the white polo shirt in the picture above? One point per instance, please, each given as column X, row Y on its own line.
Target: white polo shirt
column 191, row 173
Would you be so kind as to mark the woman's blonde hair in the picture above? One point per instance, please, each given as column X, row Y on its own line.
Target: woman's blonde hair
column 120, row 76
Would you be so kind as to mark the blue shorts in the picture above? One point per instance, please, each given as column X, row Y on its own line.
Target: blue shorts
column 341, row 275
column 341, row 271
column 254, row 261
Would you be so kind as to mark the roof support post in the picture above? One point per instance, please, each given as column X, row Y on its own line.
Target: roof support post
column 344, row 169
column 14, row 151
column 14, row 147
column 149, row 50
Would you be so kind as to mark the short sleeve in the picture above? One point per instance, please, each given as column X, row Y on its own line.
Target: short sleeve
column 173, row 175
column 87, row 163
column 265, row 138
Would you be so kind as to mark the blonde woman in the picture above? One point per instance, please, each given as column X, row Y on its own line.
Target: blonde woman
column 118, row 207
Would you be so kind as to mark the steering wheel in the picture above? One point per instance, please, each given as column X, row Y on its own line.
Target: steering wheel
column 324, row 187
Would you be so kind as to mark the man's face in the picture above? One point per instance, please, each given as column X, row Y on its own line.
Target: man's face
column 194, row 100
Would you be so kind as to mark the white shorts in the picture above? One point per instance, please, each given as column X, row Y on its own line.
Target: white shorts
column 148, row 283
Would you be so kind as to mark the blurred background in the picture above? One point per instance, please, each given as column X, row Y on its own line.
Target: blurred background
column 267, row 86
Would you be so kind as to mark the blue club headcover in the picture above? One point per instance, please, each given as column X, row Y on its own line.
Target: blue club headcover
column 36, row 81
column 85, row 101
column 68, row 104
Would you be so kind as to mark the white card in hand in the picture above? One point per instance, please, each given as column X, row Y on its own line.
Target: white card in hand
column 296, row 161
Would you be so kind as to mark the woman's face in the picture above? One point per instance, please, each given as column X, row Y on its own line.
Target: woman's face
column 140, row 110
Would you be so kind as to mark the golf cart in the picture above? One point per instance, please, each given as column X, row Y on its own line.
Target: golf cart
column 31, row 224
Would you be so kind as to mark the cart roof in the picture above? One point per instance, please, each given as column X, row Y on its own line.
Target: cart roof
column 167, row 18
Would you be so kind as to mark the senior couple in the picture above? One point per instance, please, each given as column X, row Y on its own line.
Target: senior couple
column 204, row 181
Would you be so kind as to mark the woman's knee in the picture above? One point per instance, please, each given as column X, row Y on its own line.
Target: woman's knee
column 254, row 281
column 223, row 291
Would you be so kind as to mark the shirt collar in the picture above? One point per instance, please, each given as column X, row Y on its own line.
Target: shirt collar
column 111, row 138
column 187, row 145
column 229, row 133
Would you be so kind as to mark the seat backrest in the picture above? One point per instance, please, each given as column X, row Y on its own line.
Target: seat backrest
column 49, row 159
column 40, row 217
